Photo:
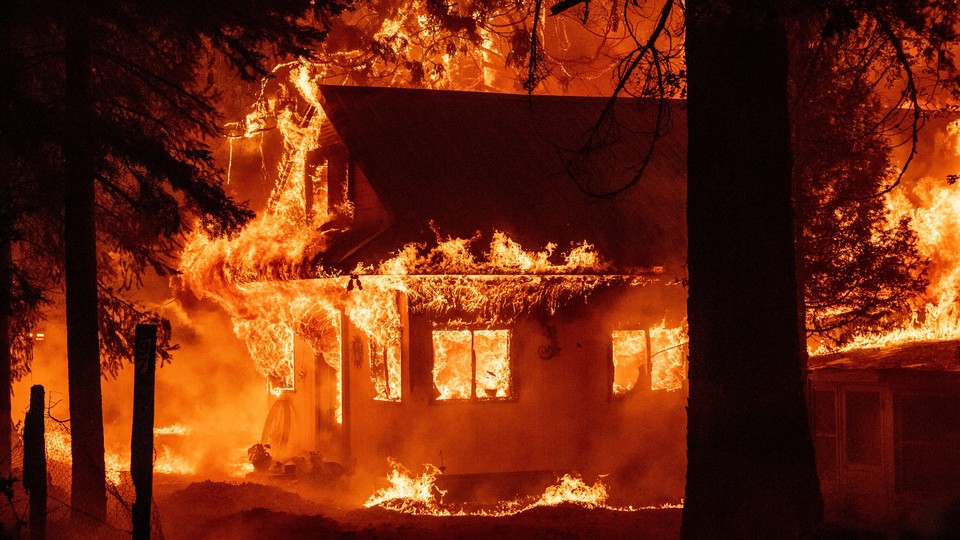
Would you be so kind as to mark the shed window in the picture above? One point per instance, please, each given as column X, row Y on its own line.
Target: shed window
column 472, row 364
column 825, row 434
column 863, row 427
column 926, row 437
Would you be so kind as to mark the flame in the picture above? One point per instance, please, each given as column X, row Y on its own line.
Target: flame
column 418, row 494
column 667, row 357
column 934, row 213
column 629, row 358
column 408, row 493
column 175, row 429
column 261, row 275
column 471, row 364
column 572, row 489
column 166, row 460
column 668, row 367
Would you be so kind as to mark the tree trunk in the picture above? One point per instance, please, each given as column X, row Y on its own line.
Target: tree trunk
column 88, row 486
column 751, row 470
column 6, row 341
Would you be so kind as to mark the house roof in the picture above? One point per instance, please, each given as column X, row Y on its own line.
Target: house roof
column 471, row 162
column 919, row 356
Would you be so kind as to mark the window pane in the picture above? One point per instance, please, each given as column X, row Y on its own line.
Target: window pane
column 492, row 348
column 863, row 427
column 629, row 358
column 667, row 366
column 928, row 417
column 452, row 364
column 825, row 412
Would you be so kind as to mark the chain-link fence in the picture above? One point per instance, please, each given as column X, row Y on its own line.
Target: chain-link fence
column 63, row 521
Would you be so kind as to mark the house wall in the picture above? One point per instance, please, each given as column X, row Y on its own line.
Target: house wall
column 562, row 417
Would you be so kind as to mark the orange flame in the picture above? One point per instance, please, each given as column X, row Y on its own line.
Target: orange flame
column 412, row 494
column 934, row 213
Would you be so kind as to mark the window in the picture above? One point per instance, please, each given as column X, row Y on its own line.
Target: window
column 927, row 433
column 629, row 359
column 657, row 354
column 825, row 434
column 472, row 364
column 385, row 371
column 863, row 427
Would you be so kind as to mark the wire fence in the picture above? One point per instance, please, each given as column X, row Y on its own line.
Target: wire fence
column 63, row 520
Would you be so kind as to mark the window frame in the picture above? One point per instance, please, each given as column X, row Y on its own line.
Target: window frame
column 474, row 398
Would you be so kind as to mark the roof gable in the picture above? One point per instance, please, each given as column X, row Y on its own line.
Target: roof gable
column 471, row 162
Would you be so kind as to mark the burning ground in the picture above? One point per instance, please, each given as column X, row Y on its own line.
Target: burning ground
column 219, row 510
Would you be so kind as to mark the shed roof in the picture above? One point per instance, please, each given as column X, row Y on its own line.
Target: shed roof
column 471, row 162
column 919, row 356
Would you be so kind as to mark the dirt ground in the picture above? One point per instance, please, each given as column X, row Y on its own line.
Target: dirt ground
column 236, row 511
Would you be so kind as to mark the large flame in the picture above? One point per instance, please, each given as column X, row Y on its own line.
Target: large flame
column 166, row 460
column 933, row 208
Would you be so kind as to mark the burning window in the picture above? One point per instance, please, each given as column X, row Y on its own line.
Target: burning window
column 629, row 359
column 657, row 352
column 385, row 372
column 668, row 367
column 471, row 364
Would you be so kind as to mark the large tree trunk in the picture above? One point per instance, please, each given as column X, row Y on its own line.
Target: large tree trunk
column 6, row 340
column 751, row 471
column 88, row 486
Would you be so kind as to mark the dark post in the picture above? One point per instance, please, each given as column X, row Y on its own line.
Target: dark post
column 35, row 463
column 141, row 445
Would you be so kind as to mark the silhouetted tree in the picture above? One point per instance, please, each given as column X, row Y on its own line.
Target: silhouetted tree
column 750, row 469
column 123, row 92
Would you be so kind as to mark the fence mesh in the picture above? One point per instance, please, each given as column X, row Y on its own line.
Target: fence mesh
column 121, row 494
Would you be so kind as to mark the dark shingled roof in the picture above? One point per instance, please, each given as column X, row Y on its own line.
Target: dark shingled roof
column 920, row 356
column 477, row 162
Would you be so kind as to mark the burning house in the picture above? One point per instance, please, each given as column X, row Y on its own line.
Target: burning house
column 407, row 322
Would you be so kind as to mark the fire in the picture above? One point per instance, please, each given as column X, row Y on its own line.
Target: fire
column 408, row 493
column 174, row 429
column 668, row 361
column 572, row 489
column 659, row 347
column 418, row 494
column 166, row 460
column 471, row 364
column 267, row 280
column 250, row 276
column 934, row 212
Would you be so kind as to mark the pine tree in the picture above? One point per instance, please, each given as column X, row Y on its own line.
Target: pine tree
column 123, row 92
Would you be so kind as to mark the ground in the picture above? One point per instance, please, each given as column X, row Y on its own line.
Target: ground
column 215, row 510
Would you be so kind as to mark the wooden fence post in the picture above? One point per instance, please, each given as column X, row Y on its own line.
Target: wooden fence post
column 141, row 444
column 35, row 463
